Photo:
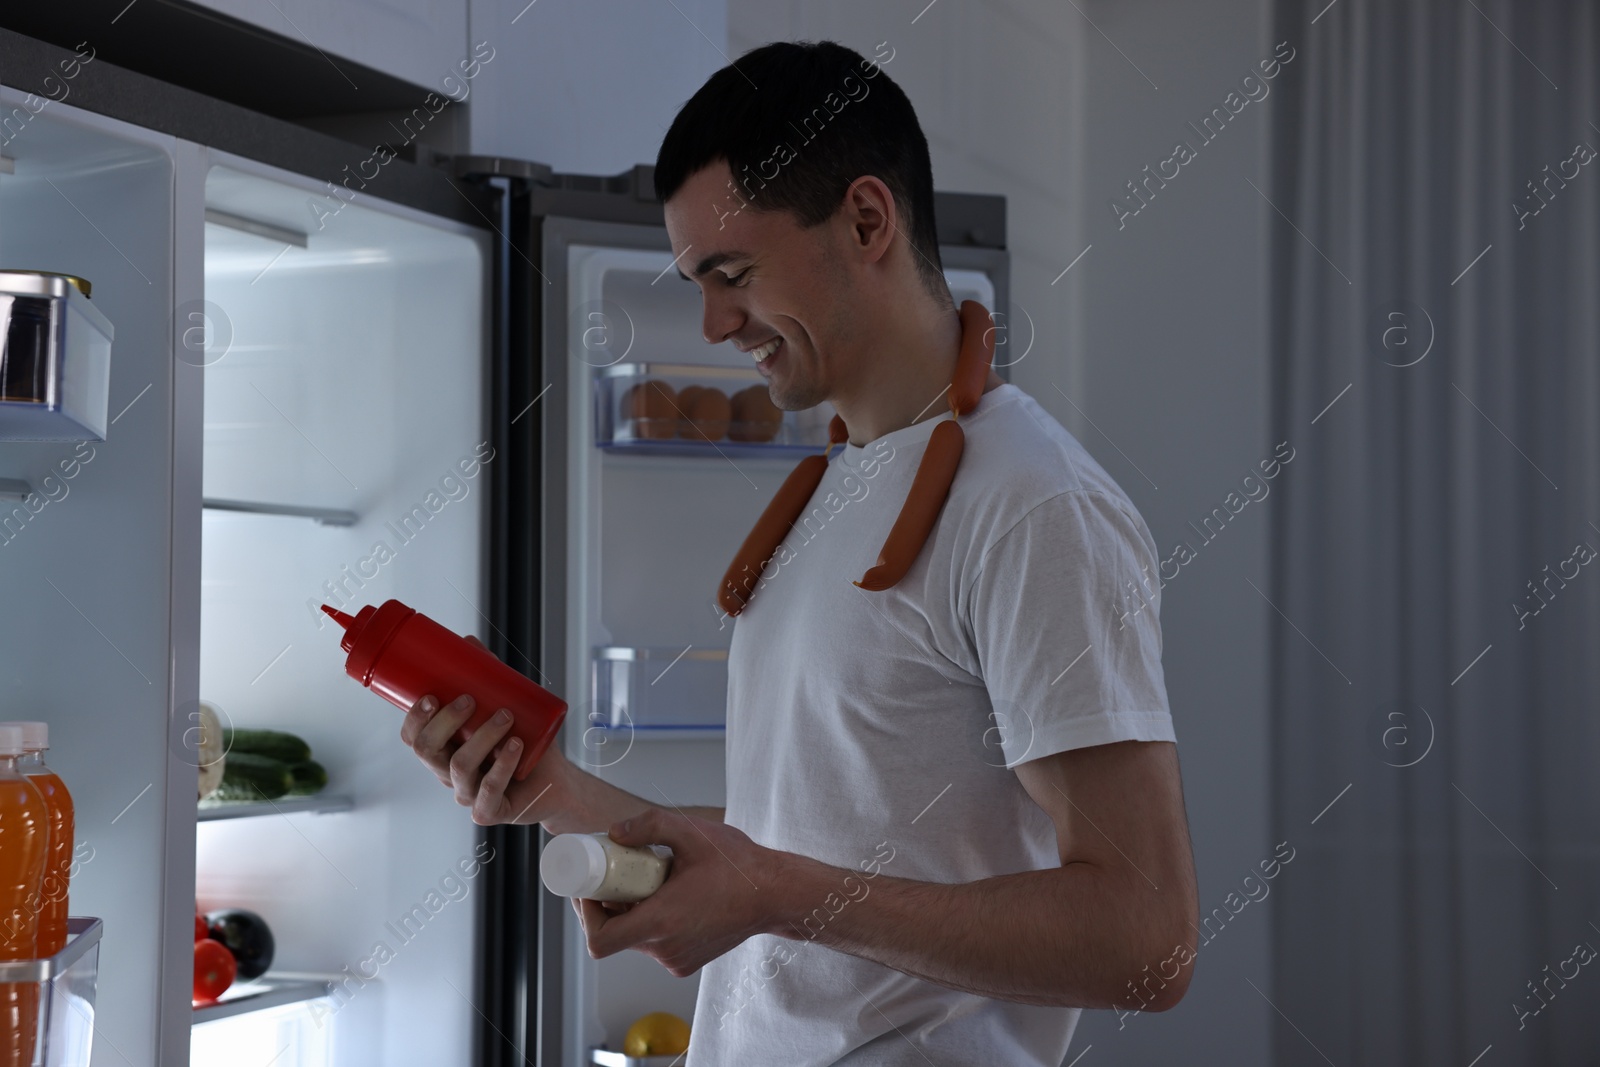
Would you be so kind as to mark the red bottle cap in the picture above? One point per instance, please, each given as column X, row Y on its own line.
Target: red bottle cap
column 366, row 635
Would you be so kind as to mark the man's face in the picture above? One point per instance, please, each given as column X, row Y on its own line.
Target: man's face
column 761, row 277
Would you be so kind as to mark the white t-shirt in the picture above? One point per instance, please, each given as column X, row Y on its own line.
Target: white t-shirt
column 876, row 731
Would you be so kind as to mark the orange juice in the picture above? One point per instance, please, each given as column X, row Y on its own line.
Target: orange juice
column 53, row 889
column 24, row 847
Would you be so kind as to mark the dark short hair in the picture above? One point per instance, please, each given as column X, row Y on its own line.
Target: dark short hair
column 821, row 115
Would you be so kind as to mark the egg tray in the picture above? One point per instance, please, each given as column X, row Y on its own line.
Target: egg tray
column 653, row 409
column 635, row 413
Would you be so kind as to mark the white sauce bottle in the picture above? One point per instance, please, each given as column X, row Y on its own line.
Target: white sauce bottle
column 594, row 867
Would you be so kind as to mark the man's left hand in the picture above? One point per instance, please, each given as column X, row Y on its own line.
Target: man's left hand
column 719, row 892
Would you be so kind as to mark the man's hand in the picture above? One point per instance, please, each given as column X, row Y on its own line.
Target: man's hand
column 715, row 896
column 479, row 771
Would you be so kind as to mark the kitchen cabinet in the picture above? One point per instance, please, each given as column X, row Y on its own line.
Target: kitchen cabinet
column 419, row 41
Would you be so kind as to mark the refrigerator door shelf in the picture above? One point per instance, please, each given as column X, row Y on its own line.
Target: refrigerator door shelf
column 64, row 992
column 607, row 1058
column 55, row 361
column 659, row 690
column 672, row 428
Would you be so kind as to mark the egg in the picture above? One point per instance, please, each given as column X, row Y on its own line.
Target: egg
column 653, row 407
column 755, row 416
column 686, row 397
column 709, row 411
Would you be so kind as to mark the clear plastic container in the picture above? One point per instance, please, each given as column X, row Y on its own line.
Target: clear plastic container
column 66, row 995
column 659, row 689
column 622, row 425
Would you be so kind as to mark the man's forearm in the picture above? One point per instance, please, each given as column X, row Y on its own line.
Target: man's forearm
column 1076, row 935
column 713, row 814
column 594, row 805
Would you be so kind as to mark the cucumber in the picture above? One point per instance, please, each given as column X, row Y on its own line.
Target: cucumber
column 246, row 776
column 308, row 777
column 275, row 743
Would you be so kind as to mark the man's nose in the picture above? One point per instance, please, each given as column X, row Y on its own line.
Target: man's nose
column 720, row 319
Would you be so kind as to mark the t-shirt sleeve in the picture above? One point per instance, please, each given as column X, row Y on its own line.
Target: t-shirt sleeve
column 1063, row 614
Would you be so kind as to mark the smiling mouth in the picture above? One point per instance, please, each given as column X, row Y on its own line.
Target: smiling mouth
column 761, row 353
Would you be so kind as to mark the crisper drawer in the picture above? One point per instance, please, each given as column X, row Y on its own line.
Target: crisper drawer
column 659, row 689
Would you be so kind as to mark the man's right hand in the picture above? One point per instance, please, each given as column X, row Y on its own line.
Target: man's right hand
column 479, row 770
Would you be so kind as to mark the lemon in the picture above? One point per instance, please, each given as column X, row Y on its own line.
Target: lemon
column 658, row 1034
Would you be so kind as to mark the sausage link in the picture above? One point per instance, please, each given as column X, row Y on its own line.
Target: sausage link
column 977, row 353
column 782, row 510
column 928, row 491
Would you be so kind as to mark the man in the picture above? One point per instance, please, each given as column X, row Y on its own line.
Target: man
column 954, row 813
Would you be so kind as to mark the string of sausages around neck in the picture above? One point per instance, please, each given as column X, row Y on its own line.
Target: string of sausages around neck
column 930, row 487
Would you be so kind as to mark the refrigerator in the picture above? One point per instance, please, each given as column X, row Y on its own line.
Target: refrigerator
column 411, row 386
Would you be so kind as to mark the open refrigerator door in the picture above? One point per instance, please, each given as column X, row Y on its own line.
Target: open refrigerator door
column 346, row 455
column 657, row 500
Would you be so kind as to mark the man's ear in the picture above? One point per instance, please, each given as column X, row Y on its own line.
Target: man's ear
column 870, row 210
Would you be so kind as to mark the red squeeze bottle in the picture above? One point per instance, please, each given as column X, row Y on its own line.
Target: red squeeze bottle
column 402, row 655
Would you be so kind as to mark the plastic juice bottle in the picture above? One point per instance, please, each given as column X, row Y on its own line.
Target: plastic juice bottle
column 53, row 891
column 403, row 656
column 24, row 848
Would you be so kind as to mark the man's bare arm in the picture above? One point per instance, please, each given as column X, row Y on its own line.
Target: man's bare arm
column 589, row 804
column 561, row 796
column 1112, row 926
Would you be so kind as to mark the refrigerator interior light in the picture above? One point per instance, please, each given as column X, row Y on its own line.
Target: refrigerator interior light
column 55, row 366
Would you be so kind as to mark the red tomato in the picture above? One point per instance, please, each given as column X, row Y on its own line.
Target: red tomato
column 214, row 969
column 201, row 931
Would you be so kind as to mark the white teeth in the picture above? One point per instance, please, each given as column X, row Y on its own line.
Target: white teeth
column 761, row 352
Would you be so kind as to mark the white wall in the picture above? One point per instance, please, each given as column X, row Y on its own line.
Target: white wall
column 589, row 87
column 1174, row 336
column 586, row 87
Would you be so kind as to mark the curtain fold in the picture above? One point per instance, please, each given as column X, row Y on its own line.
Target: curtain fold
column 1436, row 650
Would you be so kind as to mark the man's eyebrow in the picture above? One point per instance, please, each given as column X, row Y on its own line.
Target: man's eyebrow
column 712, row 262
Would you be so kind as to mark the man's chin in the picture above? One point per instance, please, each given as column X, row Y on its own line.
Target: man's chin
column 789, row 400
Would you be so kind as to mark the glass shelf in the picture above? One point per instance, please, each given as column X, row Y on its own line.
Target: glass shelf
column 271, row 990
column 319, row 803
column 670, row 431
column 660, row 691
column 322, row 516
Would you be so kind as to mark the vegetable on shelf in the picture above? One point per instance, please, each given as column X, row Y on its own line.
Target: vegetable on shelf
column 246, row 936
column 274, row 743
column 210, row 749
column 214, row 970
column 308, row 776
column 263, row 765
column 246, row 776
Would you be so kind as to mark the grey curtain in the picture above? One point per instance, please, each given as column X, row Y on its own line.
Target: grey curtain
column 1436, row 597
